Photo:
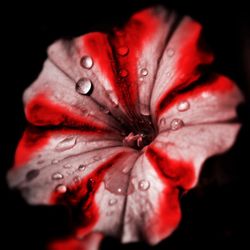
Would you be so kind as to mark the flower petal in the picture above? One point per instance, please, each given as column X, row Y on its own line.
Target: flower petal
column 89, row 242
column 180, row 63
column 52, row 100
column 213, row 101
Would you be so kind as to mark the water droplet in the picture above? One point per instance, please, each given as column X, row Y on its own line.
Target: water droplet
column 87, row 62
column 105, row 110
column 40, row 161
column 144, row 109
column 144, row 185
column 123, row 73
column 76, row 179
column 97, row 158
column 123, row 51
column 67, row 166
column 183, row 106
column 32, row 174
column 82, row 167
column 126, row 170
column 112, row 202
column 109, row 213
column 84, row 86
column 66, row 144
column 176, row 124
column 113, row 98
column 55, row 161
column 57, row 176
column 61, row 188
column 170, row 52
column 144, row 72
column 163, row 121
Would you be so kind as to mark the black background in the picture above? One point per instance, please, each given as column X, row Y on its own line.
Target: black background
column 215, row 213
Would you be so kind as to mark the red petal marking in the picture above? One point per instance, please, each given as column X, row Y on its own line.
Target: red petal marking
column 82, row 194
column 174, row 174
column 177, row 173
column 137, row 32
column 183, row 65
column 214, row 85
column 35, row 139
column 41, row 111
column 90, row 242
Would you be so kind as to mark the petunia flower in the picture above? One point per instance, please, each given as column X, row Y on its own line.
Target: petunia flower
column 120, row 124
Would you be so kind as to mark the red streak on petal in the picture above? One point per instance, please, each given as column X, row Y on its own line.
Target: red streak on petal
column 35, row 139
column 218, row 84
column 66, row 244
column 174, row 174
column 131, row 39
column 41, row 111
column 81, row 195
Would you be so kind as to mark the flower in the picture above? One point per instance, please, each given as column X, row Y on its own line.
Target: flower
column 120, row 123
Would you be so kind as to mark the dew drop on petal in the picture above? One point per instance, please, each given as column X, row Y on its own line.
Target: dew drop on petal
column 87, row 62
column 61, row 188
column 123, row 73
column 144, row 72
column 84, row 86
column 76, row 179
column 176, row 124
column 183, row 106
column 32, row 174
column 57, row 176
column 66, row 144
column 55, row 161
column 112, row 202
column 67, row 166
column 170, row 52
column 123, row 51
column 82, row 167
column 162, row 121
column 144, row 185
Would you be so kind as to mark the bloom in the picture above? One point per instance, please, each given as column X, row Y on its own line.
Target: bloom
column 121, row 122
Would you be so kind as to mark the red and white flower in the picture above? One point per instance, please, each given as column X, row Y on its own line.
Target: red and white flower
column 120, row 123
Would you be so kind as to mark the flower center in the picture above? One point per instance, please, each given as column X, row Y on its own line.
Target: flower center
column 139, row 133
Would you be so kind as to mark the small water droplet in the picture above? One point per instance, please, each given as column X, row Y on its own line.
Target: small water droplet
column 163, row 121
column 112, row 202
column 126, row 170
column 144, row 72
column 55, row 161
column 144, row 185
column 84, row 86
column 66, row 144
column 104, row 110
column 112, row 98
column 76, row 179
column 61, row 188
column 176, row 124
column 123, row 73
column 109, row 213
column 183, row 106
column 82, row 167
column 40, row 161
column 170, row 52
column 32, row 174
column 87, row 62
column 57, row 176
column 97, row 158
column 123, row 51
column 67, row 166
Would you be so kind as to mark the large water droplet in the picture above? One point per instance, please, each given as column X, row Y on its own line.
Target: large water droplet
column 66, row 144
column 32, row 174
column 183, row 106
column 176, row 124
column 82, row 167
column 123, row 51
column 170, row 52
column 87, row 62
column 123, row 73
column 144, row 72
column 57, row 176
column 84, row 86
column 61, row 188
column 112, row 201
column 144, row 185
